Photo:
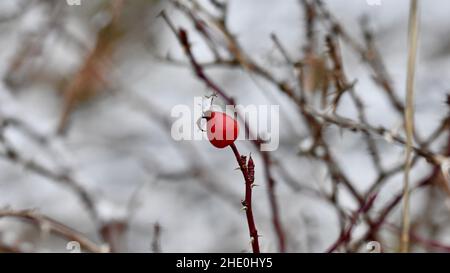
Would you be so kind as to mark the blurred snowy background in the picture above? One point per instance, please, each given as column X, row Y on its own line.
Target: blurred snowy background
column 151, row 193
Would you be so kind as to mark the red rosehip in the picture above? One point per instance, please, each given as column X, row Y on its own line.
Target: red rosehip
column 222, row 130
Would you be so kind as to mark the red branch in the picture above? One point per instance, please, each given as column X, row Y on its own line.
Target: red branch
column 248, row 171
column 347, row 234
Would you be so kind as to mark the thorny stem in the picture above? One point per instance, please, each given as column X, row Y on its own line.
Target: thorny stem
column 247, row 170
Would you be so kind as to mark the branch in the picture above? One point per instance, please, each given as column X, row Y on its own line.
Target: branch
column 54, row 226
column 409, row 120
column 12, row 155
column 346, row 236
column 248, row 171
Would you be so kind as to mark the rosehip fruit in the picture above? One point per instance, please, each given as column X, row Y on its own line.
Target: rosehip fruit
column 222, row 130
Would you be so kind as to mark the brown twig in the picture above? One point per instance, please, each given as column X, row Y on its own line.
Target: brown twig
column 15, row 157
column 156, row 244
column 55, row 227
